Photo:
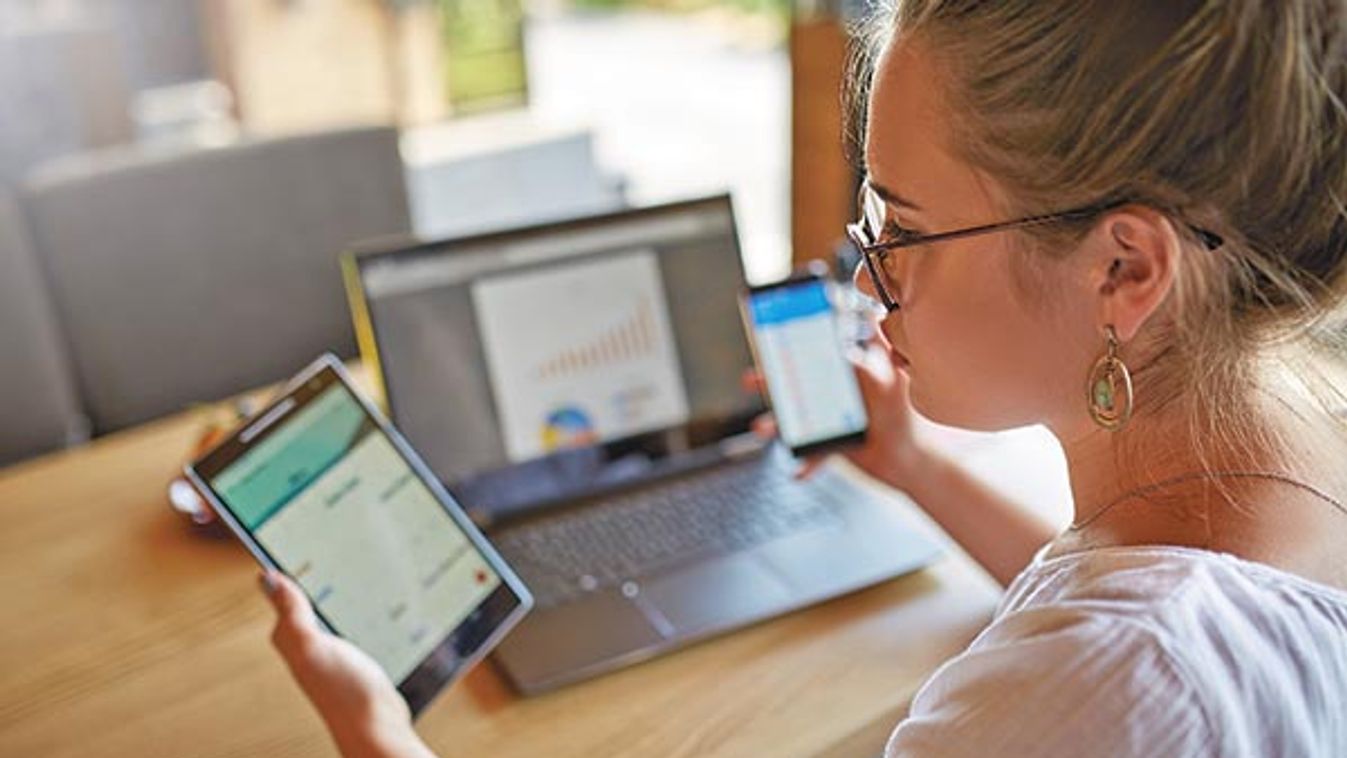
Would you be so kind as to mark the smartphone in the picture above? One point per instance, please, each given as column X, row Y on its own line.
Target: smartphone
column 812, row 388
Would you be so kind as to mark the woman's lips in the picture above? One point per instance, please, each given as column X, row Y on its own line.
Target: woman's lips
column 896, row 357
column 885, row 341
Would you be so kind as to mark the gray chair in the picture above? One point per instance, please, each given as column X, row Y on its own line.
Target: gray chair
column 189, row 276
column 63, row 90
column 37, row 393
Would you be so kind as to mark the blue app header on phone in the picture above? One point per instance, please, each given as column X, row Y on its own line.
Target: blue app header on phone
column 789, row 303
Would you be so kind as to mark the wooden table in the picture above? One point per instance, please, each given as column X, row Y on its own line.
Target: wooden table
column 124, row 631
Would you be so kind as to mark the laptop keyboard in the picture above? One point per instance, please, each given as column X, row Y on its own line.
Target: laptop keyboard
column 635, row 535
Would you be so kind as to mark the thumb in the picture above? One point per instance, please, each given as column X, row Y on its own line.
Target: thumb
column 809, row 466
column 294, row 614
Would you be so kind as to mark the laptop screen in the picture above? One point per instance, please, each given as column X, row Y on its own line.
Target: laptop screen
column 553, row 361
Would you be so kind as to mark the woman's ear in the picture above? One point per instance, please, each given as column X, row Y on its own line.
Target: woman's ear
column 1135, row 267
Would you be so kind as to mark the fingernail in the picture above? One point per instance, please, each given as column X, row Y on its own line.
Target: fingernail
column 267, row 581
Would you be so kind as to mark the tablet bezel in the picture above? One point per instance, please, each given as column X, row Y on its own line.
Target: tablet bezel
column 484, row 626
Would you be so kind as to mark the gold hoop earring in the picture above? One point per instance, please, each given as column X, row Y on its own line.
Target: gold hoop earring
column 1108, row 391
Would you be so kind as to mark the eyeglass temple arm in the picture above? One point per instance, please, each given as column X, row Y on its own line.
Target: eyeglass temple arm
column 1209, row 239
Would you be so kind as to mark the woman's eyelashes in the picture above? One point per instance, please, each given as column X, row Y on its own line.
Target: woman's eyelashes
column 895, row 232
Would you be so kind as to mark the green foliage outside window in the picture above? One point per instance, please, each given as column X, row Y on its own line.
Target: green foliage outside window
column 484, row 52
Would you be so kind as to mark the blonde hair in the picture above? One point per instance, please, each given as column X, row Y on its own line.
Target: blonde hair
column 1226, row 115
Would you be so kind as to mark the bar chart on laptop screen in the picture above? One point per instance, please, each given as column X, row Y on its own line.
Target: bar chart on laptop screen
column 580, row 353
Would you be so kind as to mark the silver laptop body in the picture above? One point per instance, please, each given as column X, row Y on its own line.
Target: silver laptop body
column 577, row 387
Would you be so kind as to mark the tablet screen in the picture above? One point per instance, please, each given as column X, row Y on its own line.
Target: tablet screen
column 336, row 505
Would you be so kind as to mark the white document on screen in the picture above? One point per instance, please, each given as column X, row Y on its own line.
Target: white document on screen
column 580, row 353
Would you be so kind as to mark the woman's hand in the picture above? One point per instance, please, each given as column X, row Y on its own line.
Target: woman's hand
column 999, row 533
column 891, row 452
column 361, row 707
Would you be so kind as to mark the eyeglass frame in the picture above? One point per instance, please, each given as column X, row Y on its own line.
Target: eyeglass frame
column 871, row 251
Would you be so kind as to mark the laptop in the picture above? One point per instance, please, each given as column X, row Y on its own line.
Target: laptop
column 578, row 387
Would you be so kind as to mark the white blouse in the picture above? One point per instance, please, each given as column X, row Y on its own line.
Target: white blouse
column 1147, row 651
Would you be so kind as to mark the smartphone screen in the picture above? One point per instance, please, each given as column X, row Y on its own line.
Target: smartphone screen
column 812, row 386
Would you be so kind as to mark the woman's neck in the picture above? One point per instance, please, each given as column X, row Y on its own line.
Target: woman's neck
column 1262, row 492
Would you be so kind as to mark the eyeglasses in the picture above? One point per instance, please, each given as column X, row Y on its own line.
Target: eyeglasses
column 867, row 234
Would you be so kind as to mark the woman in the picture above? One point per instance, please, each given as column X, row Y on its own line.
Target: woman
column 1145, row 200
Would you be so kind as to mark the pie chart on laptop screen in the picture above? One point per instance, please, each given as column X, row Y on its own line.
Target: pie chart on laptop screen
column 568, row 427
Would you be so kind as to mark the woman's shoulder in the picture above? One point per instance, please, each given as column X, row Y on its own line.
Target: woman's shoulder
column 1160, row 585
column 1142, row 651
column 1215, row 618
column 1048, row 679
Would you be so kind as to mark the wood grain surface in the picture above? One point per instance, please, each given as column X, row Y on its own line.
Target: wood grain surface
column 126, row 631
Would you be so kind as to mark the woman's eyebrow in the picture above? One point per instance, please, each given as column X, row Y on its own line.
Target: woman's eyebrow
column 893, row 198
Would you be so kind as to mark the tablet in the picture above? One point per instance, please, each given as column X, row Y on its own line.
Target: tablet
column 321, row 487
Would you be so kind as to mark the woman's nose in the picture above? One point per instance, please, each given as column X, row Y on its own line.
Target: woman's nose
column 860, row 277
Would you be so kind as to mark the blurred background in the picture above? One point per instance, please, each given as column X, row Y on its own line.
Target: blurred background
column 168, row 167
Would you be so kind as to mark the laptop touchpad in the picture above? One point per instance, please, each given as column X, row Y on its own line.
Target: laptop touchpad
column 715, row 594
column 554, row 642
